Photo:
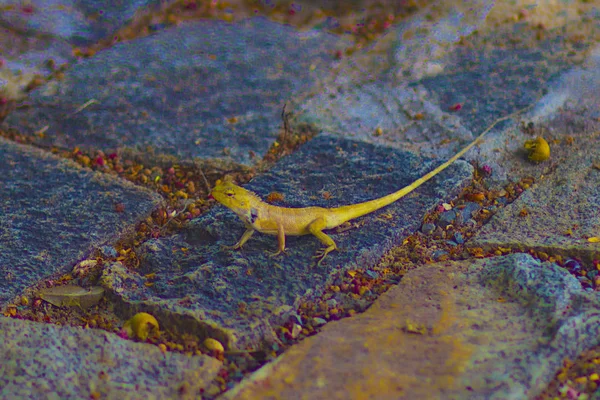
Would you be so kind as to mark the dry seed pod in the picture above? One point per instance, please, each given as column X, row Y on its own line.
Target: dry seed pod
column 539, row 150
column 141, row 325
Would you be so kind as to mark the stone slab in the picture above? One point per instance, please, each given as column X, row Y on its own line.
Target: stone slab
column 79, row 22
column 232, row 293
column 458, row 89
column 496, row 328
column 54, row 212
column 204, row 89
column 45, row 361
column 561, row 210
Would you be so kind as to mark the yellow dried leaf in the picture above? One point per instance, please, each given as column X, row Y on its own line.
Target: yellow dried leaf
column 594, row 239
column 72, row 296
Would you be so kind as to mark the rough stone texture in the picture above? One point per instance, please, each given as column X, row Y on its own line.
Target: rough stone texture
column 77, row 21
column 419, row 114
column 51, row 362
column 569, row 108
column 495, row 328
column 53, row 213
column 566, row 198
column 197, row 278
column 204, row 89
column 486, row 77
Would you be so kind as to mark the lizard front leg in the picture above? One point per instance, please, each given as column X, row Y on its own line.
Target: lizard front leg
column 316, row 228
column 280, row 242
column 247, row 235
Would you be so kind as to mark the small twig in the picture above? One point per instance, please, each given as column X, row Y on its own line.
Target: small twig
column 203, row 177
column 175, row 215
column 285, row 123
column 82, row 107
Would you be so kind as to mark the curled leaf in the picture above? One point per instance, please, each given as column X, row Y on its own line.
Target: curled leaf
column 72, row 296
column 141, row 325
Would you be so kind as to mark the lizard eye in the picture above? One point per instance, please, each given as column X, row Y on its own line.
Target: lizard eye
column 230, row 193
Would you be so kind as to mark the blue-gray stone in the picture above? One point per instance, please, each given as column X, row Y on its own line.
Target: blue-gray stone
column 446, row 218
column 53, row 213
column 428, row 228
column 458, row 238
column 469, row 210
column 200, row 288
column 201, row 90
column 438, row 254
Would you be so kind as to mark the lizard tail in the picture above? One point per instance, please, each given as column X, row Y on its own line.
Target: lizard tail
column 347, row 213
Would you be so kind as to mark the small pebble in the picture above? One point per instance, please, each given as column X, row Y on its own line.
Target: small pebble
column 108, row 251
column 572, row 265
column 458, row 238
column 469, row 210
column 446, row 218
column 427, row 228
column 439, row 253
column 319, row 321
column 372, row 274
column 439, row 233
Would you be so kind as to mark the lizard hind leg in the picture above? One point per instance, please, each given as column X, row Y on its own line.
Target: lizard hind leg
column 316, row 228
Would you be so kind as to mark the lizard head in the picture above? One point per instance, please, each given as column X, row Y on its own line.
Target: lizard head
column 234, row 197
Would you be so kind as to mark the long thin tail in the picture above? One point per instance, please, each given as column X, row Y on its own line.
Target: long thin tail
column 347, row 213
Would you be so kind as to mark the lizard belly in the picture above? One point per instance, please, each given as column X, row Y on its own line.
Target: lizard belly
column 271, row 227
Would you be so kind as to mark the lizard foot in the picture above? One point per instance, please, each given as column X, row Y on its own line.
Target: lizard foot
column 276, row 253
column 320, row 256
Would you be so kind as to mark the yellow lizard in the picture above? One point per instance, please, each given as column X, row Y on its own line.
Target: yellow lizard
column 281, row 221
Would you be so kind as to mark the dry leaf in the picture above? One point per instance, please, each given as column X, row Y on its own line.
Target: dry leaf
column 72, row 296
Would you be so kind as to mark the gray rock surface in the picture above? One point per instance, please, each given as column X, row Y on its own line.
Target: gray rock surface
column 497, row 328
column 196, row 277
column 561, row 208
column 78, row 22
column 210, row 91
column 45, row 361
column 204, row 89
column 53, row 213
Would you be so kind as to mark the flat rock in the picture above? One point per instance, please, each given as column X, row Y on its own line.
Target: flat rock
column 54, row 212
column 52, row 362
column 496, row 328
column 78, row 22
column 230, row 294
column 560, row 211
column 205, row 89
column 434, row 100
